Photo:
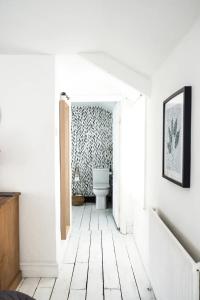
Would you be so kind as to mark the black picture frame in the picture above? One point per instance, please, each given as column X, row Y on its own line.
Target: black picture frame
column 176, row 157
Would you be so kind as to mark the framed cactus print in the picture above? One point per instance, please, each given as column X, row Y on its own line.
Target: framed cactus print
column 177, row 137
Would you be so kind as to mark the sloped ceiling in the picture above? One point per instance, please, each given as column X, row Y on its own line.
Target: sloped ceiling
column 138, row 33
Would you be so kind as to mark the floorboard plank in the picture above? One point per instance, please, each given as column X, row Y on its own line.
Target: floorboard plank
column 72, row 247
column 62, row 284
column 112, row 294
column 95, row 275
column 84, row 247
column 19, row 285
column 111, row 279
column 111, row 222
column 47, row 282
column 103, row 223
column 77, row 214
column 79, row 278
column 29, row 286
column 77, row 295
column 127, row 280
column 44, row 288
column 144, row 286
column 94, row 223
column 43, row 293
column 85, row 224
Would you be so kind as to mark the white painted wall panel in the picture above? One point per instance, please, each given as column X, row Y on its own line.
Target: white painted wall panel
column 27, row 154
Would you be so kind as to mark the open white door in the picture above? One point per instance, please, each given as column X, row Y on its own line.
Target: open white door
column 132, row 161
column 128, row 161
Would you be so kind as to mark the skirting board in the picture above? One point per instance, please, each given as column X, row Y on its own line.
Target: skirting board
column 45, row 269
column 39, row 269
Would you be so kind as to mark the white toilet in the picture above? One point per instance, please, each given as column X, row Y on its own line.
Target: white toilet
column 101, row 186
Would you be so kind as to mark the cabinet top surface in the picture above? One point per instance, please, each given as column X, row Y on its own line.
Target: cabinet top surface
column 4, row 197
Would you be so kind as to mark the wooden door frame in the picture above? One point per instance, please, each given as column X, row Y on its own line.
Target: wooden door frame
column 65, row 167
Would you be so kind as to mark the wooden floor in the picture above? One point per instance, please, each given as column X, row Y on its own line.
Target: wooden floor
column 99, row 263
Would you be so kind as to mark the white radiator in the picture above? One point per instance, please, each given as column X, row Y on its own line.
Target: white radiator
column 174, row 274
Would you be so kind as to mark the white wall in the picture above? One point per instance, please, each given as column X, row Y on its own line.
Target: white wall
column 27, row 157
column 180, row 206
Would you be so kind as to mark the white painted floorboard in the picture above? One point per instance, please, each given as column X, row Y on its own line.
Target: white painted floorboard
column 99, row 263
column 94, row 222
column 103, row 223
column 43, row 293
column 29, row 286
column 127, row 280
column 77, row 295
column 72, row 248
column 110, row 271
column 85, row 224
column 112, row 295
column 143, row 283
column 95, row 273
column 83, row 250
column 79, row 278
column 62, row 284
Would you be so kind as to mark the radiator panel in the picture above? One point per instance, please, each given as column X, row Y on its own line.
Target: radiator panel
column 174, row 274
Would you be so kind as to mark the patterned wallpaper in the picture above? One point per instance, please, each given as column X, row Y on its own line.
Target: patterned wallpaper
column 91, row 145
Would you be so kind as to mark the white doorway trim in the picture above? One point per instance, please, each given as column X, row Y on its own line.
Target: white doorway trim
column 116, row 163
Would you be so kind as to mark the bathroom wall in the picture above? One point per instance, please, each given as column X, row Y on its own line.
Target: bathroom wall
column 91, row 144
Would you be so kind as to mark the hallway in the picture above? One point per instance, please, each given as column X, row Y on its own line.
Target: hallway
column 99, row 263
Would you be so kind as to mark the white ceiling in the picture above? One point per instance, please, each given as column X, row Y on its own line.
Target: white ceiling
column 85, row 82
column 138, row 33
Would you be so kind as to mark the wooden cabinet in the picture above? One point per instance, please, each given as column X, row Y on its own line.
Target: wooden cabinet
column 10, row 274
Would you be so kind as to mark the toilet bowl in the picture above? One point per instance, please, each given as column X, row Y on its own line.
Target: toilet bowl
column 101, row 186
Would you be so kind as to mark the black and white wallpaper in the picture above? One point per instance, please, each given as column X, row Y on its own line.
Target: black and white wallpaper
column 91, row 145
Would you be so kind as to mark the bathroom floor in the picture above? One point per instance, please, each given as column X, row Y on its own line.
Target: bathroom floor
column 99, row 263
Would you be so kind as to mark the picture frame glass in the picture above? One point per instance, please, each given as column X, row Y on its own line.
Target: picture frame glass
column 173, row 138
